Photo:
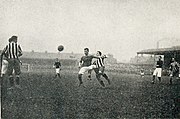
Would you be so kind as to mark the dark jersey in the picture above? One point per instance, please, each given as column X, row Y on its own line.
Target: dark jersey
column 57, row 64
column 86, row 60
column 159, row 64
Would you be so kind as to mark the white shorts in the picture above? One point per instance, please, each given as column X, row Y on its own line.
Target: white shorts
column 4, row 66
column 57, row 70
column 85, row 69
column 142, row 73
column 158, row 72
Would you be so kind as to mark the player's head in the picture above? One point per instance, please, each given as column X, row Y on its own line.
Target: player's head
column 173, row 59
column 57, row 59
column 86, row 51
column 14, row 38
column 99, row 53
column 160, row 57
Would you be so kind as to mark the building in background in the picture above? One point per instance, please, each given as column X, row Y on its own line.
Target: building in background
column 167, row 53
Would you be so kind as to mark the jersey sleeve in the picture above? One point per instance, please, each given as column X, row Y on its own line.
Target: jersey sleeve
column 93, row 56
column 5, row 50
column 19, row 50
column 81, row 60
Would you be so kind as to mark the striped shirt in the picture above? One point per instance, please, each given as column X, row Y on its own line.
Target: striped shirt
column 12, row 50
column 99, row 62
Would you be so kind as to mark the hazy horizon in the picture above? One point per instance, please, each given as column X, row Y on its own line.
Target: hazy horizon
column 118, row 27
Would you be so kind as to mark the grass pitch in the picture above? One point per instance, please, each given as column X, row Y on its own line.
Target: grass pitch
column 129, row 96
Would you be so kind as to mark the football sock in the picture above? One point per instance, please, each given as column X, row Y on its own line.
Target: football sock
column 105, row 76
column 11, row 80
column 159, row 79
column 170, row 80
column 80, row 78
column 58, row 75
column 17, row 80
column 153, row 77
column 102, row 83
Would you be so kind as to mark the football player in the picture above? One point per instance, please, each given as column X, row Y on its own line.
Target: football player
column 13, row 51
column 85, row 64
column 100, row 67
column 57, row 65
column 142, row 72
column 174, row 69
column 158, row 71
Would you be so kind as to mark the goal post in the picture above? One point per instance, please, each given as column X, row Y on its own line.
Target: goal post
column 25, row 67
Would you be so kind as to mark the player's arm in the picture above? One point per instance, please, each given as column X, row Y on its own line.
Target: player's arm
column 1, row 59
column 54, row 65
column 60, row 65
column 20, row 61
column 177, row 67
column 1, row 63
column 170, row 67
column 19, row 51
column 104, row 56
column 157, row 64
column 177, row 64
column 80, row 63
column 163, row 67
column 154, row 65
column 3, row 54
column 93, row 56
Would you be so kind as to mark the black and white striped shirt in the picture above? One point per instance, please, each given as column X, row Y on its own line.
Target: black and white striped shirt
column 12, row 50
column 100, row 62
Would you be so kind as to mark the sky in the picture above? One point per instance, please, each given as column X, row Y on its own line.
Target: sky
column 118, row 27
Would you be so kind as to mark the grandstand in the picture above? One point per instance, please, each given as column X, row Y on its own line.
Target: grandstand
column 168, row 53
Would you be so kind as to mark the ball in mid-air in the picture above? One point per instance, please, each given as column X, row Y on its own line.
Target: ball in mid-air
column 60, row 48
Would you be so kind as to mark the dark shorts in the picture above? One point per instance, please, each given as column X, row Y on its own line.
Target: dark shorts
column 13, row 64
column 99, row 70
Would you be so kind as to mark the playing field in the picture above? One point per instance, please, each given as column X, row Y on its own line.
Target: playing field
column 129, row 96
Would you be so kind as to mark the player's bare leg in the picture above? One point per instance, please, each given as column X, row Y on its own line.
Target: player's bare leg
column 170, row 81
